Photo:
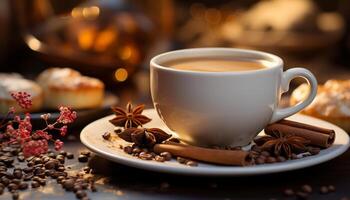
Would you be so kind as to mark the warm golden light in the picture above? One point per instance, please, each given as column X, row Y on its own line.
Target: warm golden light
column 126, row 53
column 86, row 38
column 121, row 74
column 91, row 12
column 33, row 43
column 76, row 12
column 104, row 39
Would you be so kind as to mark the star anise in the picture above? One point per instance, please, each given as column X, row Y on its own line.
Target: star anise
column 144, row 136
column 280, row 144
column 129, row 118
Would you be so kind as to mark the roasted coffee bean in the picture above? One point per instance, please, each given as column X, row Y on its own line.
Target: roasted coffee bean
column 69, row 184
column 86, row 169
column 3, row 168
column 37, row 160
column 30, row 164
column 70, row 155
column 36, row 178
column 159, row 158
column 331, row 188
column 136, row 150
column 281, row 159
column 60, row 158
column 80, row 194
column 23, row 186
column 15, row 196
column 167, row 156
column 28, row 177
column 20, row 158
column 12, row 187
column 288, row 192
column 18, row 174
column 4, row 180
column 145, row 156
column 106, row 135
column 60, row 179
column 302, row 195
column 93, row 188
column 15, row 181
column 324, row 190
column 30, row 158
column 128, row 149
column 61, row 169
column 191, row 163
column 39, row 171
column 52, row 155
column 9, row 175
column 85, row 185
column 265, row 153
column 271, row 159
column 42, row 182
column 46, row 159
column 77, row 187
column 38, row 166
column 63, row 153
column 35, row 184
column 313, row 150
column 28, row 170
column 181, row 160
column 306, row 188
column 85, row 153
column 260, row 161
column 51, row 164
column 82, row 158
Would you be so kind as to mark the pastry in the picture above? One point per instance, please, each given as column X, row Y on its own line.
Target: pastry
column 65, row 86
column 16, row 83
column 332, row 102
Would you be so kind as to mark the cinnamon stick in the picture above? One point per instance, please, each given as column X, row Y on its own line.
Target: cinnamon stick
column 217, row 156
column 317, row 136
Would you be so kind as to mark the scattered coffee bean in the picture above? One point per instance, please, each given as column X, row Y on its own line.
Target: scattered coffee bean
column 60, row 158
column 128, row 149
column 159, row 158
column 23, row 186
column 15, row 196
column 52, row 155
column 12, row 187
column 80, row 194
column 68, row 184
column 28, row 170
column 85, row 153
column 167, row 156
column 302, row 195
column 35, row 184
column 82, row 158
column 260, row 160
column 106, row 135
column 181, row 160
column 306, row 188
column 271, row 159
column 63, row 153
column 288, row 192
column 324, row 190
column 28, row 177
column 51, row 164
column 331, row 188
column 20, row 158
column 191, row 163
column 145, row 156
column 70, row 155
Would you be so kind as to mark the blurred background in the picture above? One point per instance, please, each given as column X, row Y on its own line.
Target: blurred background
column 113, row 40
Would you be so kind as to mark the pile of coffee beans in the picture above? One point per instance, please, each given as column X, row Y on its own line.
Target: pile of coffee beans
column 146, row 154
column 36, row 171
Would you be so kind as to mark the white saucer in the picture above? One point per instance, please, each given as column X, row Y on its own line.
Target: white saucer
column 91, row 136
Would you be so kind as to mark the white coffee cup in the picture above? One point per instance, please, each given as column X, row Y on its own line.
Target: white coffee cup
column 222, row 108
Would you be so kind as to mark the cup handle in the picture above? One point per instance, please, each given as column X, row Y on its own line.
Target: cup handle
column 287, row 76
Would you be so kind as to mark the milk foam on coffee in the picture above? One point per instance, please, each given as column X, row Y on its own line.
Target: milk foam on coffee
column 216, row 64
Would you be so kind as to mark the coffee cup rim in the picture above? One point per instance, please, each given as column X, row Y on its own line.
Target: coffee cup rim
column 276, row 62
